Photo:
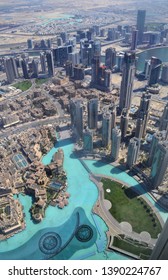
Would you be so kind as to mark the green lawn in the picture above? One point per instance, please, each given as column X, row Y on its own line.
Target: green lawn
column 126, row 206
column 41, row 81
column 137, row 249
column 25, row 85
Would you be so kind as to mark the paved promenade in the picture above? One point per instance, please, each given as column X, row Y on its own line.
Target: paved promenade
column 116, row 228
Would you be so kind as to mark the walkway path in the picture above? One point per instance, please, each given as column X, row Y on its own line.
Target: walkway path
column 116, row 228
column 85, row 166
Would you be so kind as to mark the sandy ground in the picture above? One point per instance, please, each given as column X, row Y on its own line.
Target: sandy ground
column 37, row 12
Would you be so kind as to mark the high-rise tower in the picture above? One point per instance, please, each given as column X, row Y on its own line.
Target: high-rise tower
column 159, row 164
column 157, row 137
column 164, row 76
column 88, row 140
column 110, row 58
column 35, row 64
column 112, row 109
column 30, row 44
column 164, row 119
column 128, row 75
column 134, row 40
column 133, row 151
column 92, row 113
column 143, row 115
column 106, row 129
column 141, row 25
column 76, row 111
column 69, row 69
column 124, row 123
column 24, row 68
column 86, row 51
column 50, row 63
column 139, row 126
column 154, row 70
column 95, row 69
column 115, row 145
column 43, row 62
column 11, row 69
column 160, row 251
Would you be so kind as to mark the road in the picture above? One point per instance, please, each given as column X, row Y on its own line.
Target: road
column 154, row 97
column 19, row 128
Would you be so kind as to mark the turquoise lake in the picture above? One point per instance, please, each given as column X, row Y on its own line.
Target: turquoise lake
column 61, row 224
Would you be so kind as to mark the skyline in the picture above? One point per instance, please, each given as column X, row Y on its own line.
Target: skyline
column 84, row 131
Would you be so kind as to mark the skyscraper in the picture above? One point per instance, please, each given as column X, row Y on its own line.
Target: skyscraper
column 76, row 111
column 139, row 126
column 96, row 46
column 160, row 251
column 79, row 72
column 95, row 69
column 134, row 40
column 164, row 76
column 133, row 151
column 101, row 77
column 159, row 164
column 143, row 115
column 35, row 64
column 61, row 54
column 43, row 62
column 10, row 69
column 106, row 129
column 115, row 145
column 50, row 63
column 124, row 123
column 96, row 29
column 128, row 75
column 64, row 36
column 154, row 38
column 157, row 137
column 49, row 44
column 74, row 57
column 147, row 68
column 30, row 44
column 107, row 79
column 72, row 42
column 90, row 34
column 92, row 113
column 110, row 58
column 88, row 140
column 111, row 34
column 59, row 41
column 102, row 32
column 141, row 25
column 164, row 119
column 112, row 109
column 69, row 68
column 43, row 44
column 154, row 70
column 120, row 60
column 15, row 68
column 86, row 51
column 24, row 69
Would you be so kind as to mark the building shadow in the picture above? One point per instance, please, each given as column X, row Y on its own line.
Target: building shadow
column 63, row 142
column 131, row 193
column 100, row 163
column 116, row 170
